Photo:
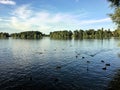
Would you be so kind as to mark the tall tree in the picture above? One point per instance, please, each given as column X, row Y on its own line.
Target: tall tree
column 114, row 3
column 115, row 16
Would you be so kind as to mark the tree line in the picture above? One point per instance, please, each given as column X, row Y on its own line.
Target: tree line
column 27, row 35
column 65, row 34
column 92, row 34
column 4, row 35
column 61, row 34
column 85, row 34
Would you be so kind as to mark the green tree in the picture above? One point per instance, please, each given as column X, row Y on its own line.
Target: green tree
column 28, row 35
column 114, row 3
column 115, row 16
column 4, row 35
column 61, row 34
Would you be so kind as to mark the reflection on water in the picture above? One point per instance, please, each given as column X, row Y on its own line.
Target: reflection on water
column 118, row 44
column 119, row 55
column 115, row 83
column 57, row 64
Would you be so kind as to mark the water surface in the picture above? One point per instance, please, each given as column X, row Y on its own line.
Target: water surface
column 57, row 64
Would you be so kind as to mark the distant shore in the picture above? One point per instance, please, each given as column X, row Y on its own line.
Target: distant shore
column 65, row 34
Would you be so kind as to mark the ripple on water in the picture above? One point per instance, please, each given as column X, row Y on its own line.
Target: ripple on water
column 56, row 67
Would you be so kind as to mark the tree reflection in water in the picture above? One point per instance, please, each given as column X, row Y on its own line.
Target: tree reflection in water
column 115, row 83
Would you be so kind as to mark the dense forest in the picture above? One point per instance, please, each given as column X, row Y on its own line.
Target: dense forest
column 65, row 34
column 61, row 34
column 77, row 34
column 4, row 35
column 28, row 35
column 85, row 34
column 92, row 34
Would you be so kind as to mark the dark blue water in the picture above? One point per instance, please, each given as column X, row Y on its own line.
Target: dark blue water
column 57, row 64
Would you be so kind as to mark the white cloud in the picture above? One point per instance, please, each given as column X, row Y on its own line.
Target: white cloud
column 1, row 19
column 95, row 21
column 22, row 12
column 24, row 19
column 4, row 19
column 7, row 2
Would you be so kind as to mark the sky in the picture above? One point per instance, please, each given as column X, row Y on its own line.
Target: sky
column 53, row 15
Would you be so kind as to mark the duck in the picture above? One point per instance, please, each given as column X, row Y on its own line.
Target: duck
column 104, row 68
column 58, row 67
column 107, row 64
column 92, row 55
column 83, row 57
column 102, row 61
column 76, row 56
column 88, row 61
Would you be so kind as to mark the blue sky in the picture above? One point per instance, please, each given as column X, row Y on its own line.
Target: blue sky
column 52, row 15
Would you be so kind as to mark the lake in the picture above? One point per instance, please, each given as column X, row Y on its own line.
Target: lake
column 47, row 64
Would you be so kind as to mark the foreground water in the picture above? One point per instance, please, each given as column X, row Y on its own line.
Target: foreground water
column 58, row 64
